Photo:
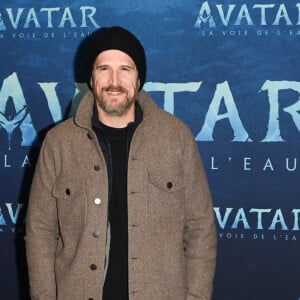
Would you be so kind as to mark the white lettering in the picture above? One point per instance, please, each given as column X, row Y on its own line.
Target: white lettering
column 169, row 89
column 223, row 92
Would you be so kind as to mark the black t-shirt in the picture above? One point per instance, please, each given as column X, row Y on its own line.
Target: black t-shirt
column 116, row 282
column 115, row 145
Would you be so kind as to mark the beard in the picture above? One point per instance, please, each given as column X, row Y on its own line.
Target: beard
column 115, row 106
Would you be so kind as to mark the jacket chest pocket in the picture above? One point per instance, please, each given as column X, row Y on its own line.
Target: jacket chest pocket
column 71, row 202
column 166, row 195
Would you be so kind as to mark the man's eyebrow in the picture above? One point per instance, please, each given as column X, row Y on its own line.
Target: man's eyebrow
column 131, row 66
column 101, row 65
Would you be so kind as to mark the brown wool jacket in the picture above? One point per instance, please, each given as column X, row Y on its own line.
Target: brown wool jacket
column 171, row 229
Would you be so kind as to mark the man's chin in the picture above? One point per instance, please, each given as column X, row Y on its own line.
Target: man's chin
column 117, row 109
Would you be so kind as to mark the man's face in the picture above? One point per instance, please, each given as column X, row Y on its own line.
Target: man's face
column 114, row 82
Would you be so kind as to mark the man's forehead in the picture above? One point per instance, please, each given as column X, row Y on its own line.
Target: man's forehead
column 113, row 56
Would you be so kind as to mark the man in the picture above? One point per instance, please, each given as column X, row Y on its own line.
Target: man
column 119, row 206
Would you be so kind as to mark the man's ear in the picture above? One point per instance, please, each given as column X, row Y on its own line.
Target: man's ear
column 139, row 84
column 91, row 82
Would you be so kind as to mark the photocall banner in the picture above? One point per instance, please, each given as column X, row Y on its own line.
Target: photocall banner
column 227, row 68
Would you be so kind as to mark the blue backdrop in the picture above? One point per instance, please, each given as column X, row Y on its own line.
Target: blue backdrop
column 229, row 69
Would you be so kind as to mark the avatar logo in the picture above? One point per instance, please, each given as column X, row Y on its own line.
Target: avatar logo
column 244, row 14
column 47, row 17
column 10, row 124
column 11, row 94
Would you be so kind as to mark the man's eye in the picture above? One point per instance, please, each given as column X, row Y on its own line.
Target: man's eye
column 102, row 68
column 126, row 68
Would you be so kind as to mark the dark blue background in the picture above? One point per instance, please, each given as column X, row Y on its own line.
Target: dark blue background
column 177, row 52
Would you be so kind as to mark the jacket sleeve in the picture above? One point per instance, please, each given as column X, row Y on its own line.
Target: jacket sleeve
column 42, row 229
column 200, row 232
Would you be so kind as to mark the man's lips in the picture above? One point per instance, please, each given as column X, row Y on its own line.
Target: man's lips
column 115, row 90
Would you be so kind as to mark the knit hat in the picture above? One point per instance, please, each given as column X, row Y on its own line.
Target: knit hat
column 118, row 38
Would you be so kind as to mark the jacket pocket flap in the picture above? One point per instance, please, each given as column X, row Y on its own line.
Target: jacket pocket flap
column 66, row 188
column 168, row 181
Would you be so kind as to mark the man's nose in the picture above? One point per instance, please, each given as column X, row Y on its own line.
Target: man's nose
column 115, row 78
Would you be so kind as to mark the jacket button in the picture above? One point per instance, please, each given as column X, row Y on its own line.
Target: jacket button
column 169, row 185
column 68, row 191
column 96, row 167
column 96, row 233
column 97, row 201
column 93, row 267
column 89, row 136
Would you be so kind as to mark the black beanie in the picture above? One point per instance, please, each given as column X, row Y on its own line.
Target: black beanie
column 121, row 39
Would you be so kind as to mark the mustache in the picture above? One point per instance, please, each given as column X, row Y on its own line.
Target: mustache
column 115, row 88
